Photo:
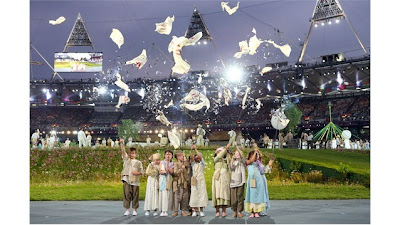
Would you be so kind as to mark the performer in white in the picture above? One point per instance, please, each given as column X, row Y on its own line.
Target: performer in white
column 347, row 144
column 67, row 143
column 89, row 140
column 34, row 138
column 130, row 143
column 104, row 142
column 232, row 137
column 152, row 186
column 81, row 138
column 148, row 141
column 206, row 141
column 333, row 143
column 52, row 140
column 200, row 132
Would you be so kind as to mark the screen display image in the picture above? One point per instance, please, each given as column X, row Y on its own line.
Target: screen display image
column 78, row 62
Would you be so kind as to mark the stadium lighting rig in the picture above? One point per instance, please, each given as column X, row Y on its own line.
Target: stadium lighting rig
column 234, row 74
column 325, row 12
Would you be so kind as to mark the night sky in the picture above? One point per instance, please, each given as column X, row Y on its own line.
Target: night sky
column 136, row 20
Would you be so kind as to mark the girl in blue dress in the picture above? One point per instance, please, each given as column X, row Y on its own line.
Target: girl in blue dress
column 257, row 199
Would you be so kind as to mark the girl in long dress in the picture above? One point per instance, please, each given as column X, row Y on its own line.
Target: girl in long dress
column 152, row 195
column 220, row 181
column 198, row 195
column 257, row 199
column 165, row 192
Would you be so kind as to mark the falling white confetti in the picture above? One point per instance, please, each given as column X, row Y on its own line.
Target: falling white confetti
column 121, row 84
column 117, row 37
column 59, row 20
column 166, row 26
column 139, row 61
column 228, row 9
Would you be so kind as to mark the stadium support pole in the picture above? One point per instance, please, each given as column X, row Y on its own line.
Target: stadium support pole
column 303, row 49
column 355, row 34
column 46, row 62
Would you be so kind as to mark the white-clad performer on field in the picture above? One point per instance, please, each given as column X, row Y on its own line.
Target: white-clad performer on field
column 232, row 137
column 148, row 141
column 130, row 143
column 52, row 140
column 200, row 132
column 81, row 138
column 89, row 140
column 67, row 143
column 34, row 138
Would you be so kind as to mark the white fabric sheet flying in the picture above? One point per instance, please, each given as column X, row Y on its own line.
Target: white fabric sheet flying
column 59, row 20
column 259, row 104
column 227, row 96
column 195, row 101
column 285, row 49
column 122, row 100
column 139, row 61
column 117, row 37
column 245, row 97
column 279, row 120
column 161, row 117
column 166, row 26
column 228, row 9
column 171, row 103
column 174, row 139
column 279, row 123
column 200, row 78
column 254, row 43
column 244, row 49
column 265, row 70
column 175, row 46
column 121, row 84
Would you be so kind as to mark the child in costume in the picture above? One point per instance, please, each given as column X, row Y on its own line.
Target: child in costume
column 165, row 180
column 237, row 167
column 198, row 196
column 220, row 182
column 257, row 199
column 152, row 193
column 132, row 169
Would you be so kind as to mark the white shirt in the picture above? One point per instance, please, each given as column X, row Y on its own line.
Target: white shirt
column 81, row 135
column 232, row 134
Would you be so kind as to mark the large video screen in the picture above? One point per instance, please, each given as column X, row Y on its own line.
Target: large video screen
column 78, row 62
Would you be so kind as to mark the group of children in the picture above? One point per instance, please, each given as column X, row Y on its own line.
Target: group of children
column 181, row 186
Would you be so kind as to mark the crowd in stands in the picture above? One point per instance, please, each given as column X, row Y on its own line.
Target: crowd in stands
column 315, row 112
column 42, row 117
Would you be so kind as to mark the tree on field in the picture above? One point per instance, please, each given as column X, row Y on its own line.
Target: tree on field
column 129, row 129
column 293, row 113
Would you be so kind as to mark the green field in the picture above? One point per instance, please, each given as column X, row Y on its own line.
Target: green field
column 87, row 174
column 63, row 191
column 69, row 64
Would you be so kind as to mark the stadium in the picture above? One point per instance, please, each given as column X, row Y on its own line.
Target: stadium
column 214, row 84
column 73, row 104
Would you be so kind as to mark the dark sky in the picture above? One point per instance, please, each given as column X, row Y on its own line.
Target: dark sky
column 136, row 20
